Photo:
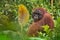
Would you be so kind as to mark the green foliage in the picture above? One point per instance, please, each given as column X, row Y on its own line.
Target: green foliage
column 10, row 29
column 46, row 28
column 9, row 35
column 57, row 30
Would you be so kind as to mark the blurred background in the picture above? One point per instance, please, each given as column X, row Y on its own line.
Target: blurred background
column 9, row 25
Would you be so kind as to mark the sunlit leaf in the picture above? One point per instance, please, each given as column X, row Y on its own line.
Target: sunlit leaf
column 46, row 27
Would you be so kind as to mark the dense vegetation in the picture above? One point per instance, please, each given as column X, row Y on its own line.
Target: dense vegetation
column 10, row 29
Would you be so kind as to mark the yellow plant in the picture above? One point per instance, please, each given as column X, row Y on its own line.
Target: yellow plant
column 23, row 14
column 46, row 28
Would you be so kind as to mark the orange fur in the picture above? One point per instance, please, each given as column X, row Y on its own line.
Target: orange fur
column 36, row 27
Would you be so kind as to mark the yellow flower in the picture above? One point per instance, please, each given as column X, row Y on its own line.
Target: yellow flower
column 23, row 14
